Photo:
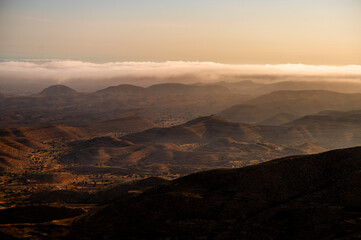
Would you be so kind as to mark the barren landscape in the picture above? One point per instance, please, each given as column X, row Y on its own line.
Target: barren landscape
column 180, row 119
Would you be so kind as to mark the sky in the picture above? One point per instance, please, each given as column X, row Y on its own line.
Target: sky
column 313, row 32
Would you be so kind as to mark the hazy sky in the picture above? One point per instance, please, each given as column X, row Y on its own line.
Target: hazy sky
column 230, row 31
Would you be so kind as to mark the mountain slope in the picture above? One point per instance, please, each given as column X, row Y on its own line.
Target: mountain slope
column 17, row 145
column 304, row 197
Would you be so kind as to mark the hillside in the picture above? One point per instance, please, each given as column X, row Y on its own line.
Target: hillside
column 122, row 125
column 305, row 197
column 19, row 145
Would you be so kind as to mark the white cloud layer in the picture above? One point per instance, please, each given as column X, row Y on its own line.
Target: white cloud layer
column 64, row 70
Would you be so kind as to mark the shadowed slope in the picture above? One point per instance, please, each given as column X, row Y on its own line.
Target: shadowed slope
column 305, row 197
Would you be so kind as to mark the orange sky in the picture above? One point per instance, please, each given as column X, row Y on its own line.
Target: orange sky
column 326, row 32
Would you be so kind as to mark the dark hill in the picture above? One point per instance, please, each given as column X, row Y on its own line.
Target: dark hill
column 304, row 197
column 58, row 91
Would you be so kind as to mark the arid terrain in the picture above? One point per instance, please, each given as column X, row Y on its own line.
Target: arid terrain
column 177, row 120
column 68, row 160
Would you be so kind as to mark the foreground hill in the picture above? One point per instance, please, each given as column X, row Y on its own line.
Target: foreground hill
column 297, row 103
column 304, row 197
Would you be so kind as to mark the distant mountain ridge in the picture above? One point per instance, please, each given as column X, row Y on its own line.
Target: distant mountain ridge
column 297, row 103
column 163, row 103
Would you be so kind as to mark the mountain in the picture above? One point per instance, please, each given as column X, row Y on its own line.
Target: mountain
column 125, row 89
column 177, row 88
column 202, row 129
column 302, row 197
column 298, row 103
column 330, row 128
column 58, row 91
column 163, row 89
column 122, row 125
column 278, row 119
column 165, row 104
column 200, row 144
column 327, row 130
column 126, row 157
column 294, row 84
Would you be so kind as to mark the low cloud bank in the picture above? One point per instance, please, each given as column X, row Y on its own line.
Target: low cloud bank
column 29, row 76
column 64, row 70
